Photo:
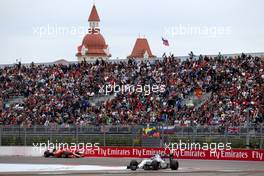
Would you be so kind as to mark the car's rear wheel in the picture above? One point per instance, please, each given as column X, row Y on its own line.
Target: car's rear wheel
column 65, row 155
column 174, row 165
column 133, row 165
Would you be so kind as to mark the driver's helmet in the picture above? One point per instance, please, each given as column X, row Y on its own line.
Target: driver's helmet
column 156, row 156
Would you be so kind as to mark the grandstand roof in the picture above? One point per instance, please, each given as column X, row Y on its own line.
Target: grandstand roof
column 140, row 49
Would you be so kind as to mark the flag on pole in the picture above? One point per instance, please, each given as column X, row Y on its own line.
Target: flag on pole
column 165, row 42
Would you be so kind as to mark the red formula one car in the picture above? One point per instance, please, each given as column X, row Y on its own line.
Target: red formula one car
column 62, row 153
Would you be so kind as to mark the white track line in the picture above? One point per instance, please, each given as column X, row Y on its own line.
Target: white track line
column 55, row 167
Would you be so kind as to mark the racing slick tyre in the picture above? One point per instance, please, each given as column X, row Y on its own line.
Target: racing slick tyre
column 133, row 165
column 47, row 154
column 155, row 165
column 174, row 165
column 78, row 155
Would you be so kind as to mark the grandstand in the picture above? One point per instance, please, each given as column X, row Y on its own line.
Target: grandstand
column 231, row 88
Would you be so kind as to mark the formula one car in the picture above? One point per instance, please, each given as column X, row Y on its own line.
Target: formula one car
column 62, row 153
column 154, row 163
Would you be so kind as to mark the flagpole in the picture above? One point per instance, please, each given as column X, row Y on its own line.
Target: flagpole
column 170, row 48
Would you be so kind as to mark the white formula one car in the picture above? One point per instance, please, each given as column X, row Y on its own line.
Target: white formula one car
column 154, row 163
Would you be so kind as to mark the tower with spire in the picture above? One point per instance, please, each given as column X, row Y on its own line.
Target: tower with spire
column 93, row 45
column 94, row 19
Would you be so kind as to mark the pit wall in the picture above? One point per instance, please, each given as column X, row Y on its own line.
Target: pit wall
column 117, row 152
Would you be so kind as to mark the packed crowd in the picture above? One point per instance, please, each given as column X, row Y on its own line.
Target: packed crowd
column 62, row 95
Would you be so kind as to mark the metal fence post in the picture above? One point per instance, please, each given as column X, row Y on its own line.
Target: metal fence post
column 1, row 130
column 50, row 134
column 77, row 137
column 162, row 136
column 247, row 139
column 194, row 134
column 104, row 138
column 25, row 136
column 226, row 135
column 261, row 137
column 132, row 135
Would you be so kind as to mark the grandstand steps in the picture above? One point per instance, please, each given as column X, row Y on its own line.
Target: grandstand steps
column 93, row 100
column 14, row 100
column 100, row 99
column 97, row 100
column 197, row 102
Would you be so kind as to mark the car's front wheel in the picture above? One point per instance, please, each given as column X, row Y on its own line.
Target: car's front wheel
column 133, row 165
column 174, row 165
column 47, row 154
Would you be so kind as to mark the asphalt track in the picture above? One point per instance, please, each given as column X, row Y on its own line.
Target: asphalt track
column 187, row 167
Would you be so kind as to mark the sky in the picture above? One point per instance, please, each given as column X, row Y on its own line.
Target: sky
column 46, row 31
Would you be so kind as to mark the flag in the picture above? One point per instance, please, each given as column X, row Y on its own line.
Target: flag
column 165, row 42
column 233, row 130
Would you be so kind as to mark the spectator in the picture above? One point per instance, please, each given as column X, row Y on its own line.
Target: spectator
column 57, row 94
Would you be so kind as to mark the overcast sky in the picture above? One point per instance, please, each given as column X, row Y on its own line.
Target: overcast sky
column 45, row 31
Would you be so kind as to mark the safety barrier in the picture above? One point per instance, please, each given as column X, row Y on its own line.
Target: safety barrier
column 139, row 152
column 233, row 154
column 20, row 151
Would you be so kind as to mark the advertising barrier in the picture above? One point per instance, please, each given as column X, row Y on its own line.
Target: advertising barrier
column 233, row 154
column 138, row 152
